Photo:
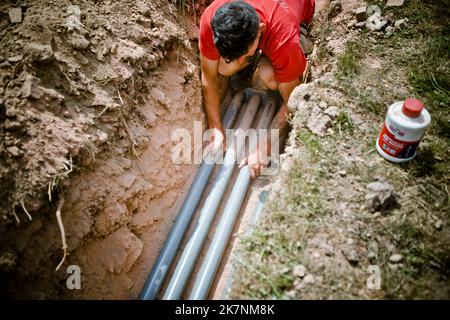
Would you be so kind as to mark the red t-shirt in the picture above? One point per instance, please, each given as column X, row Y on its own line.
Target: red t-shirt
column 280, row 41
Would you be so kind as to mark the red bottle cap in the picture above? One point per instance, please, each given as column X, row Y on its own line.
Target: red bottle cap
column 412, row 107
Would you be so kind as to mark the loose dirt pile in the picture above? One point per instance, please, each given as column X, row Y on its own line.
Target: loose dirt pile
column 90, row 92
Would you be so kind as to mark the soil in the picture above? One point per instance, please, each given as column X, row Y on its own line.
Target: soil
column 88, row 100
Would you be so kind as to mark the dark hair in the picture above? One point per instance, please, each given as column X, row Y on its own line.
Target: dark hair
column 235, row 26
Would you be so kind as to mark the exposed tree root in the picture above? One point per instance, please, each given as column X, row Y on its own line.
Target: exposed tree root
column 63, row 232
column 122, row 118
column 25, row 209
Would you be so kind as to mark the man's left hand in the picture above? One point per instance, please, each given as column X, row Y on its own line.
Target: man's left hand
column 257, row 159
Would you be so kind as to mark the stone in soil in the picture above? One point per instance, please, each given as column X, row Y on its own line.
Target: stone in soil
column 375, row 22
column 381, row 196
column 396, row 258
column 395, row 3
column 351, row 254
column 335, row 8
column 15, row 15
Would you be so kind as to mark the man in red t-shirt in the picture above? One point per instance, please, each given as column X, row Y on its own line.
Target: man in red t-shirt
column 232, row 35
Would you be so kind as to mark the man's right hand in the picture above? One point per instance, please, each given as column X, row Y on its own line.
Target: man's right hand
column 215, row 145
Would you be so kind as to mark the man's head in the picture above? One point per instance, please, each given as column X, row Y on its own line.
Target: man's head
column 235, row 28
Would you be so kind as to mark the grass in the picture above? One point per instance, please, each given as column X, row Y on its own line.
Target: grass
column 373, row 72
column 344, row 123
column 348, row 63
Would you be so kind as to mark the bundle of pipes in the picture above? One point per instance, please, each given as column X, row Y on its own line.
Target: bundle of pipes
column 219, row 242
column 193, row 247
column 184, row 216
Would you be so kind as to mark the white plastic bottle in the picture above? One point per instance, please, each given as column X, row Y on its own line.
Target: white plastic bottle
column 405, row 125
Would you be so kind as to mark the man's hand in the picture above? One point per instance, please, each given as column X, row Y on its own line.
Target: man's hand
column 258, row 158
column 216, row 142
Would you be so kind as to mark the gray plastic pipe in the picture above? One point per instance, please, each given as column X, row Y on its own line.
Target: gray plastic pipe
column 193, row 247
column 219, row 242
column 184, row 216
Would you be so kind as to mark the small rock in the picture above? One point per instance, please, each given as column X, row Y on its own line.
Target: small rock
column 351, row 254
column 40, row 52
column 361, row 13
column 15, row 15
column 342, row 173
column 375, row 22
column 332, row 112
column 299, row 271
column 159, row 96
column 396, row 258
column 335, row 8
column 13, row 151
column 8, row 261
column 381, row 196
column 83, row 60
column 372, row 249
column 291, row 294
column 373, row 9
column 351, row 24
column 78, row 41
column 395, row 3
column 15, row 59
column 389, row 30
column 73, row 10
column 360, row 25
column 438, row 225
column 399, row 24
column 318, row 123
column 12, row 125
column 73, row 21
column 309, row 279
column 30, row 88
column 323, row 105
column 394, row 266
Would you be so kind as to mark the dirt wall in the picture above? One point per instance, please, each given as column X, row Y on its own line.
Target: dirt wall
column 89, row 94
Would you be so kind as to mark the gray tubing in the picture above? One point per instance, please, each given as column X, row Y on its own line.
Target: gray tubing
column 219, row 243
column 216, row 250
column 184, row 216
column 193, row 247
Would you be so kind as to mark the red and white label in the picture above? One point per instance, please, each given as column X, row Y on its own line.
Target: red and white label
column 394, row 147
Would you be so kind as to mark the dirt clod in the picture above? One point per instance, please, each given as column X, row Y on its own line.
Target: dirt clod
column 381, row 196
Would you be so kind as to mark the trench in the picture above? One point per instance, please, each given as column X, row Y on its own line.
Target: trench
column 244, row 220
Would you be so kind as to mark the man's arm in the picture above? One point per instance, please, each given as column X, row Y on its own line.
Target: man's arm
column 257, row 158
column 210, row 85
column 280, row 120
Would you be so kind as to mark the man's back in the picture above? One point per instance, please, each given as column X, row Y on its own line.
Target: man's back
column 280, row 41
